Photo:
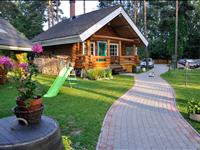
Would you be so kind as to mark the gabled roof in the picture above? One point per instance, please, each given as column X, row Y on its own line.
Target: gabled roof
column 11, row 39
column 78, row 29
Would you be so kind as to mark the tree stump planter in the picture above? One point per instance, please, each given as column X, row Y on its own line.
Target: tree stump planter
column 195, row 117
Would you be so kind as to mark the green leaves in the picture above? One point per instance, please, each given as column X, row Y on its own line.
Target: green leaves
column 193, row 106
column 26, row 16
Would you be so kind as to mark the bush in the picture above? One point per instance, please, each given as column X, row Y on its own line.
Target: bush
column 193, row 107
column 67, row 143
column 94, row 74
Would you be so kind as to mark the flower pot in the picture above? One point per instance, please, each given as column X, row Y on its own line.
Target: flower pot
column 20, row 103
column 31, row 116
column 195, row 117
column 34, row 104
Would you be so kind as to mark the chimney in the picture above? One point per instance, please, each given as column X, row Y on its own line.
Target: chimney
column 72, row 8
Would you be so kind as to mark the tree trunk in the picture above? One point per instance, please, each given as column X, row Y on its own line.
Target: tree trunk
column 49, row 15
column 52, row 13
column 145, row 31
column 83, row 6
column 176, row 34
column 135, row 11
column 57, row 17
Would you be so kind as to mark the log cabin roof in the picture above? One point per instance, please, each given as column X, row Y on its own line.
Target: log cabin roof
column 79, row 28
column 11, row 39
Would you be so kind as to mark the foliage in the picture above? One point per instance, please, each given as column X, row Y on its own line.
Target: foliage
column 98, row 73
column 79, row 111
column 67, row 143
column 193, row 107
column 26, row 16
column 22, row 57
column 6, row 63
column 27, row 88
column 37, row 48
column 161, row 26
column 184, row 93
column 55, row 15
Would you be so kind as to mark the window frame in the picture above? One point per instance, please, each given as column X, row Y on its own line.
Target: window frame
column 92, row 43
column 114, row 44
column 83, row 48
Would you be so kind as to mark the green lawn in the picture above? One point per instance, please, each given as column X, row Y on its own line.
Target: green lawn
column 184, row 93
column 79, row 111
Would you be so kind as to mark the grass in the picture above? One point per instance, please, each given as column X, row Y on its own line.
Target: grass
column 184, row 93
column 79, row 111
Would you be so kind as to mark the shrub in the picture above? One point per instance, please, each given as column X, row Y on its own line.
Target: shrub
column 108, row 73
column 67, row 143
column 95, row 74
column 193, row 107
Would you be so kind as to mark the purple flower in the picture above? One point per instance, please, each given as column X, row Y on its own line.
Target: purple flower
column 23, row 66
column 37, row 48
column 4, row 60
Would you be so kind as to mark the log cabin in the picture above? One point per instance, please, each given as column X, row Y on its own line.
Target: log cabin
column 98, row 39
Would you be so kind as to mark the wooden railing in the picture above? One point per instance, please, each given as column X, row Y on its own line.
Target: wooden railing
column 100, row 61
column 128, row 60
column 87, row 62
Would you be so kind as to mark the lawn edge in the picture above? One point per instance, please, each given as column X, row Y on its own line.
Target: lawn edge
column 174, row 95
column 107, row 116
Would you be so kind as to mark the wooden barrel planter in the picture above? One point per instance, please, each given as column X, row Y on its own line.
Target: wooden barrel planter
column 42, row 136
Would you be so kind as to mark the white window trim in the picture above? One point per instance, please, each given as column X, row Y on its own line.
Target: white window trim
column 117, row 47
column 83, row 48
column 93, row 48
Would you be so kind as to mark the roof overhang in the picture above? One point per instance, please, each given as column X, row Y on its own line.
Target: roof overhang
column 59, row 41
column 90, row 31
column 14, row 48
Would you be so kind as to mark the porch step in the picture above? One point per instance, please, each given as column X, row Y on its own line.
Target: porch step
column 116, row 69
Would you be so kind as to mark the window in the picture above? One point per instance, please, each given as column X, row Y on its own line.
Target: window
column 128, row 51
column 84, row 48
column 113, row 49
column 92, row 48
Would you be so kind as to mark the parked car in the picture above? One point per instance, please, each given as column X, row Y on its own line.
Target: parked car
column 192, row 63
column 150, row 63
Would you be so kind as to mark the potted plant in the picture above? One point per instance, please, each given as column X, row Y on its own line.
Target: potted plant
column 29, row 103
column 5, row 66
column 194, row 110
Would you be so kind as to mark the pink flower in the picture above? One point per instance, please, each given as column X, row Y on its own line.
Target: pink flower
column 4, row 60
column 23, row 66
column 37, row 48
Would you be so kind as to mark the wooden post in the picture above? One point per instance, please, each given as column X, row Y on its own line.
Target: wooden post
column 120, row 51
column 120, row 48
column 108, row 47
column 88, row 47
column 73, row 57
column 134, row 52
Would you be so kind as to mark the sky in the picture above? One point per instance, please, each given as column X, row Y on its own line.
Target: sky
column 90, row 5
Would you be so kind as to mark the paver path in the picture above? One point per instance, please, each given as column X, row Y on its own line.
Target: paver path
column 146, row 117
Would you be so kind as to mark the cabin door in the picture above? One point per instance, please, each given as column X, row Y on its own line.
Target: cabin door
column 102, row 49
column 114, row 57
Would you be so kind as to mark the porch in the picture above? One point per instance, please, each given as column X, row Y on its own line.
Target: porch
column 104, row 51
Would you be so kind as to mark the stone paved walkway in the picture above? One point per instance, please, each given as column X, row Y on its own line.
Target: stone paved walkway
column 146, row 117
